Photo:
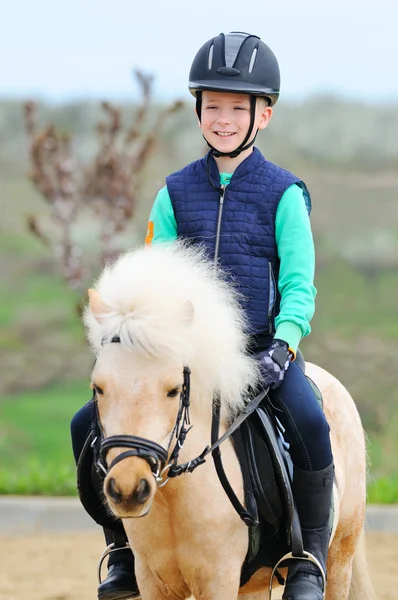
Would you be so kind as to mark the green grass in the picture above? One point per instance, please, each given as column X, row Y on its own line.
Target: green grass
column 383, row 478
column 349, row 303
column 383, row 490
column 37, row 455
column 35, row 443
column 38, row 479
column 43, row 292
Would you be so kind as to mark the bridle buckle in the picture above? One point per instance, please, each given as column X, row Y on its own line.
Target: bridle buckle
column 160, row 481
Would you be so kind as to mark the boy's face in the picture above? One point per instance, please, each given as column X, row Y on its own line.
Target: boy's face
column 226, row 119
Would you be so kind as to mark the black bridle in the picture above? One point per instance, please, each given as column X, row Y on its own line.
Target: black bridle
column 163, row 463
column 153, row 453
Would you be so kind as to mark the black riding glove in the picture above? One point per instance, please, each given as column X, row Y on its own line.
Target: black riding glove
column 274, row 362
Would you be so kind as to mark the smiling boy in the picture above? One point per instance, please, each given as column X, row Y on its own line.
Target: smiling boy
column 252, row 217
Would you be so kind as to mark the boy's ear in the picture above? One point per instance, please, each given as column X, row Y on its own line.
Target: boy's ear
column 266, row 114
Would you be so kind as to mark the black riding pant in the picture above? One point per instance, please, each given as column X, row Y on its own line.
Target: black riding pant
column 306, row 428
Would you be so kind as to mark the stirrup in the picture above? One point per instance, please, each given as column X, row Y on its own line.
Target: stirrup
column 307, row 556
column 108, row 550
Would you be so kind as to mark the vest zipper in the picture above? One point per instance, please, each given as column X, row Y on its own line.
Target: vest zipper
column 220, row 209
column 271, row 297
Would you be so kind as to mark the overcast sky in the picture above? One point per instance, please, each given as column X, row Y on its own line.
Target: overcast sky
column 87, row 48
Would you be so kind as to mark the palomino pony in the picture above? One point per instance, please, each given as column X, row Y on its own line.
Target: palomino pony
column 169, row 308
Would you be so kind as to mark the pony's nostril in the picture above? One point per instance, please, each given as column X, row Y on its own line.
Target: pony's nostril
column 142, row 492
column 112, row 491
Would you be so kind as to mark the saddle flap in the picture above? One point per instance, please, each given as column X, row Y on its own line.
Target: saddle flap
column 265, row 464
column 261, row 474
column 281, row 462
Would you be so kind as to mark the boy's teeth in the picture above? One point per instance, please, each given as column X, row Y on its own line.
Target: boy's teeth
column 224, row 133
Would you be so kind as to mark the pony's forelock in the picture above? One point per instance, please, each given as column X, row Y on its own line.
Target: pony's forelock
column 169, row 300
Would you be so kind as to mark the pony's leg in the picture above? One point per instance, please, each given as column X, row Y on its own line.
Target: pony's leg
column 215, row 583
column 219, row 590
column 150, row 591
column 150, row 588
column 339, row 580
column 339, row 565
column 348, row 576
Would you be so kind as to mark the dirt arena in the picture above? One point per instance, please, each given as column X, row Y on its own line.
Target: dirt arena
column 63, row 567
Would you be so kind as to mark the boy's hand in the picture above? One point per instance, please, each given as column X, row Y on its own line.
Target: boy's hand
column 274, row 363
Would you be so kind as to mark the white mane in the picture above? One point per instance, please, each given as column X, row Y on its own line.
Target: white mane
column 169, row 300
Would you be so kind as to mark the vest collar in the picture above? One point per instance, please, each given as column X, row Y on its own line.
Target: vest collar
column 252, row 162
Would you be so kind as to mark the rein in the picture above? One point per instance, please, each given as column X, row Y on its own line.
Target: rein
column 164, row 468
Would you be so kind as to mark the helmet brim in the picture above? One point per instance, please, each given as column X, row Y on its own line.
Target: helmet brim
column 236, row 87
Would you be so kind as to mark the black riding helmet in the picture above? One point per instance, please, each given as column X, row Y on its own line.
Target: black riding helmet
column 240, row 63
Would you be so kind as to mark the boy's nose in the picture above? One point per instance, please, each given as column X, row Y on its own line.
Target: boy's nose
column 224, row 118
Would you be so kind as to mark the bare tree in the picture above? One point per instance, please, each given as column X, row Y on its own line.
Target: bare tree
column 54, row 174
column 109, row 186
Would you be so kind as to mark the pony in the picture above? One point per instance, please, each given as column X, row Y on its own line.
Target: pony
column 170, row 308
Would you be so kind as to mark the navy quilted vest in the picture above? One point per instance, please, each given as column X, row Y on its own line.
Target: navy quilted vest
column 247, row 246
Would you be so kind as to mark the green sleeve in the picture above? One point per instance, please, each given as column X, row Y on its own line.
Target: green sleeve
column 297, row 266
column 162, row 226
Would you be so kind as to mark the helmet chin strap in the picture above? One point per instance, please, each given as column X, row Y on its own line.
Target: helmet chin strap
column 242, row 147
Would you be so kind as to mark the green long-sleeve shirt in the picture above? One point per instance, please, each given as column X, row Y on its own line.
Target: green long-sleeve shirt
column 295, row 250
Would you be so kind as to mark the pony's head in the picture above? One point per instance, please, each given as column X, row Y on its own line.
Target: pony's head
column 169, row 307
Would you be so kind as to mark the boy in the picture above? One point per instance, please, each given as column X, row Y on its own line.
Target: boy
column 252, row 217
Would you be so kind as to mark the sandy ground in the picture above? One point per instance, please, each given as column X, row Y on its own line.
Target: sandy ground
column 63, row 566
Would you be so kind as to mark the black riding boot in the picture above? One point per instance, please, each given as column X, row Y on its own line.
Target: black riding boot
column 312, row 491
column 121, row 582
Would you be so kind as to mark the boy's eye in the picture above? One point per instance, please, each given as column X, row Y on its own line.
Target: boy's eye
column 240, row 108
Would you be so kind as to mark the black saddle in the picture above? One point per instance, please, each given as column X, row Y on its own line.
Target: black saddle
column 267, row 472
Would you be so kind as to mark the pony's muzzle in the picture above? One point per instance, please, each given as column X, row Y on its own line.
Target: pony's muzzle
column 129, row 491
column 140, row 495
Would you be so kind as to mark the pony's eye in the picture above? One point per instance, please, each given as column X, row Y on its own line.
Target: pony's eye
column 173, row 393
column 99, row 391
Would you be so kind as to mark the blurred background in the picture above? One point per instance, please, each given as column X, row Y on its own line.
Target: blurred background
column 95, row 112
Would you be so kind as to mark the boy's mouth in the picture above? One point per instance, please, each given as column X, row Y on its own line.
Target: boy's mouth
column 224, row 133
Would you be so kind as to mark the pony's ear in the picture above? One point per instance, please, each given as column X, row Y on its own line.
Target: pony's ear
column 187, row 313
column 97, row 306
